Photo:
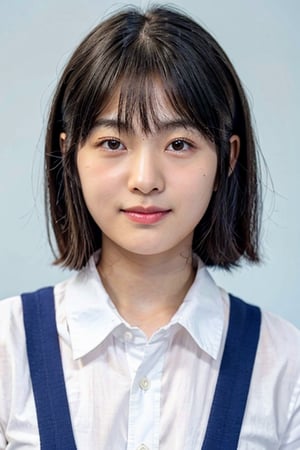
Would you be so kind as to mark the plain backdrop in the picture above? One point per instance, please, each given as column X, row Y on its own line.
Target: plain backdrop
column 262, row 38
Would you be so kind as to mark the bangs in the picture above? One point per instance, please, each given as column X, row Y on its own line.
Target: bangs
column 140, row 62
column 149, row 100
column 146, row 82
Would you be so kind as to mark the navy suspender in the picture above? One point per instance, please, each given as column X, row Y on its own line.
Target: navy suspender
column 46, row 371
column 229, row 402
column 49, row 390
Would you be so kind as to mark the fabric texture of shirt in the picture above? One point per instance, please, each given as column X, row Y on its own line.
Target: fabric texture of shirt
column 127, row 392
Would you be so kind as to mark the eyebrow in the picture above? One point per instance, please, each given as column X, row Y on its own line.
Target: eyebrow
column 164, row 125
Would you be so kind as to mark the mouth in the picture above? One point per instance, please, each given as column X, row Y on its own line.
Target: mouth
column 145, row 215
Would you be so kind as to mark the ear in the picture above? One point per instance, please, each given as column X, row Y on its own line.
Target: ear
column 62, row 142
column 234, row 152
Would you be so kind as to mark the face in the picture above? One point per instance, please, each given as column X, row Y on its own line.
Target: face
column 146, row 192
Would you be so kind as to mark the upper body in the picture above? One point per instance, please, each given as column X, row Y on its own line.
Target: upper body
column 125, row 389
column 150, row 157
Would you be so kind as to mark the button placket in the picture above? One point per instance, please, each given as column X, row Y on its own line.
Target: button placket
column 142, row 447
column 145, row 397
column 128, row 336
column 145, row 384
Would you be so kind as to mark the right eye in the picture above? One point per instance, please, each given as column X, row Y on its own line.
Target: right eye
column 111, row 144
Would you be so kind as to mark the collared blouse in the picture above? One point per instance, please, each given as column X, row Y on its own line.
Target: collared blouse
column 128, row 392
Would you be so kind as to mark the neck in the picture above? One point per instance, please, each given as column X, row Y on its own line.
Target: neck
column 146, row 290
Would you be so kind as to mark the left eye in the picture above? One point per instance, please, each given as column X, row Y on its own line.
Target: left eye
column 179, row 145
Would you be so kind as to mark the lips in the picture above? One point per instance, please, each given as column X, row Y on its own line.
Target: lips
column 145, row 209
column 145, row 215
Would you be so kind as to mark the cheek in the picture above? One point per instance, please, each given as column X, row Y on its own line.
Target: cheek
column 98, row 182
column 199, row 183
column 196, row 194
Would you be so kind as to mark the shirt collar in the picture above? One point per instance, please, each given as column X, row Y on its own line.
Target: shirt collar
column 91, row 316
column 202, row 312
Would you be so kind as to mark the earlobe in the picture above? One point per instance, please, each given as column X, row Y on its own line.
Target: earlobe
column 234, row 152
column 62, row 142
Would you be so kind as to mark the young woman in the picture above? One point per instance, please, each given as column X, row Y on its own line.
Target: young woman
column 151, row 175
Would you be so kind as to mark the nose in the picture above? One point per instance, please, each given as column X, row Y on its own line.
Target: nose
column 146, row 173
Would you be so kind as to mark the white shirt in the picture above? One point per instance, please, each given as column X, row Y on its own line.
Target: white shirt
column 129, row 393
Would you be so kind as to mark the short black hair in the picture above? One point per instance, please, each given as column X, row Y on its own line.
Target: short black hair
column 128, row 51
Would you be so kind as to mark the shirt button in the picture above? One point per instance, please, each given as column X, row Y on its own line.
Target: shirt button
column 142, row 447
column 145, row 385
column 128, row 336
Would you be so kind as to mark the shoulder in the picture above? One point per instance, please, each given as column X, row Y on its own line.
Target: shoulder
column 274, row 396
column 280, row 337
column 13, row 353
column 278, row 347
column 11, row 317
column 279, row 354
column 12, row 334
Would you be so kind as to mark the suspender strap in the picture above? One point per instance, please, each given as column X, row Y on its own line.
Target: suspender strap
column 233, row 382
column 46, row 371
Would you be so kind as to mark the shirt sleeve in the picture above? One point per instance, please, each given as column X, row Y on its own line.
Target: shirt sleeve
column 9, row 360
column 3, row 442
column 3, row 397
column 291, row 439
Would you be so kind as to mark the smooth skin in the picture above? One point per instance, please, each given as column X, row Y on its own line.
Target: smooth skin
column 147, row 193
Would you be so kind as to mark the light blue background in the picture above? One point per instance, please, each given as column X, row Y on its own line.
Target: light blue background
column 263, row 40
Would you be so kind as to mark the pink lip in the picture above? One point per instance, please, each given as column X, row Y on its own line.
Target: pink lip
column 145, row 215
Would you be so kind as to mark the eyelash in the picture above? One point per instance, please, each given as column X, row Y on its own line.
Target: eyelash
column 106, row 142
column 183, row 141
